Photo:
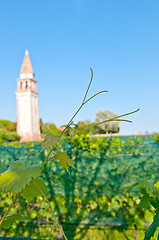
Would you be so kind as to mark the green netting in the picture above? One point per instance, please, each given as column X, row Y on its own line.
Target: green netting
column 100, row 172
column 96, row 193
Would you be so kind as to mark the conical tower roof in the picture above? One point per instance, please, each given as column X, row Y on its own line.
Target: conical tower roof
column 26, row 65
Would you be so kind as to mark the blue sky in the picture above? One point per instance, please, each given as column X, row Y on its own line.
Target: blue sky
column 119, row 40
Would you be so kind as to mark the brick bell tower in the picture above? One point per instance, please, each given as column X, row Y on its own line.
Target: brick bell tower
column 28, row 124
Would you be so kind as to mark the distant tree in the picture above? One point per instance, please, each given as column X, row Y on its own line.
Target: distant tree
column 82, row 125
column 47, row 128
column 8, row 136
column 107, row 127
column 5, row 124
column 8, row 131
column 12, row 127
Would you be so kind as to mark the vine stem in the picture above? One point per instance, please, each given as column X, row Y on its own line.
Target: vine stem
column 16, row 196
column 52, row 157
column 51, row 210
column 88, row 85
column 83, row 102
column 72, row 119
column 46, row 158
column 108, row 120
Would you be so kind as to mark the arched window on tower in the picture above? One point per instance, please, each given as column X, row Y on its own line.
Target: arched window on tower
column 21, row 85
column 26, row 85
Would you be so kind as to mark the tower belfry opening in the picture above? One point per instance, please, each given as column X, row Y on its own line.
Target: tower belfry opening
column 28, row 124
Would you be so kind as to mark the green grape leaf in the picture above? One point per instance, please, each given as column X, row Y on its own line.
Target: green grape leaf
column 154, row 203
column 65, row 160
column 10, row 219
column 146, row 185
column 151, row 230
column 31, row 191
column 156, row 193
column 50, row 140
column 17, row 177
column 144, row 202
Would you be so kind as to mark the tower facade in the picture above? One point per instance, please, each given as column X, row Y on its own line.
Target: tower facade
column 28, row 124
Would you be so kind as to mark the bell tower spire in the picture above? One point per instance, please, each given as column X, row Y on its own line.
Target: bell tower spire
column 26, row 81
column 28, row 125
column 26, row 68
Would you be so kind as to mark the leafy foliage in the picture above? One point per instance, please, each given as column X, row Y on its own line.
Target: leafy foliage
column 147, row 185
column 5, row 124
column 144, row 203
column 157, row 185
column 8, row 136
column 10, row 219
column 48, row 128
column 50, row 141
column 151, row 230
column 150, row 197
column 31, row 191
column 107, row 127
column 64, row 160
column 8, row 131
column 12, row 127
column 85, row 127
column 17, row 177
column 157, row 138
